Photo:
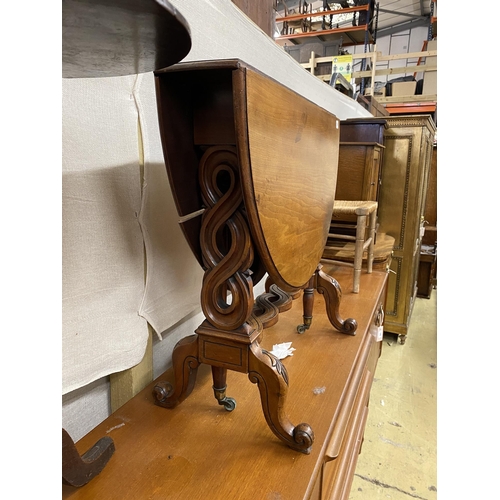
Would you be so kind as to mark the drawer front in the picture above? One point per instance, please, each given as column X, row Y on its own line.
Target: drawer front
column 345, row 445
column 337, row 473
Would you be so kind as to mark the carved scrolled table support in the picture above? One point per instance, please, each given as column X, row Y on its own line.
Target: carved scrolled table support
column 227, row 131
column 330, row 289
column 269, row 305
column 229, row 337
column 271, row 377
column 225, row 241
column 185, row 363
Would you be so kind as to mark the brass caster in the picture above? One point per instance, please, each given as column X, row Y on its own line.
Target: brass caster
column 220, row 395
column 307, row 323
column 229, row 403
column 302, row 328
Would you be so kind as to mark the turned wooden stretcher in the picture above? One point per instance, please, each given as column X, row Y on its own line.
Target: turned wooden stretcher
column 253, row 168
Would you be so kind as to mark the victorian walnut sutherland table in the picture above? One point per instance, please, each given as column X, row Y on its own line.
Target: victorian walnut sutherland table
column 201, row 452
column 253, row 167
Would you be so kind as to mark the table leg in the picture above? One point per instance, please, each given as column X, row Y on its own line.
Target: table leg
column 219, row 377
column 271, row 377
column 307, row 303
column 330, row 288
column 185, row 364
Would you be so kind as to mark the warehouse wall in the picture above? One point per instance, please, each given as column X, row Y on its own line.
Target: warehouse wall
column 403, row 42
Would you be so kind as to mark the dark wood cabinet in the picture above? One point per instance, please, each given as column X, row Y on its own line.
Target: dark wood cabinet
column 261, row 12
column 358, row 177
column 408, row 144
column 363, row 130
column 360, row 158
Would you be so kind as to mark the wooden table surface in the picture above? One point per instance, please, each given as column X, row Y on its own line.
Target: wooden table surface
column 102, row 38
column 200, row 451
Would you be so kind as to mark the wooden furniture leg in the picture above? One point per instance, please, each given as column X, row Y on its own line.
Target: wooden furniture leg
column 330, row 289
column 372, row 230
column 79, row 470
column 358, row 252
column 307, row 303
column 185, row 364
column 271, row 377
column 238, row 350
column 219, row 377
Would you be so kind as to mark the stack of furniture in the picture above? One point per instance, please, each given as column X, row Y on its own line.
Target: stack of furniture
column 359, row 178
column 408, row 142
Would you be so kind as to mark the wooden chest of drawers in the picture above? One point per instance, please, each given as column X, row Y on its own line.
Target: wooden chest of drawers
column 199, row 451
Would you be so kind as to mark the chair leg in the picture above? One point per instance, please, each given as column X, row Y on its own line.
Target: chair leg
column 358, row 250
column 373, row 222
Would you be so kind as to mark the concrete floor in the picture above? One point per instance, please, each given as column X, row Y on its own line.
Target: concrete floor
column 398, row 457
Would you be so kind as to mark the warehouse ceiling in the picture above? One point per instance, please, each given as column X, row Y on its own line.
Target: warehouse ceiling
column 394, row 15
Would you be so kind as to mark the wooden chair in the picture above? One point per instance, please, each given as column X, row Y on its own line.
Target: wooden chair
column 366, row 216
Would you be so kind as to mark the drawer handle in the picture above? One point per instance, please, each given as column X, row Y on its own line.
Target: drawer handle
column 379, row 320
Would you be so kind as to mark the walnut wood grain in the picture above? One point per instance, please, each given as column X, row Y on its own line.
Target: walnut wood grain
column 289, row 171
column 287, row 149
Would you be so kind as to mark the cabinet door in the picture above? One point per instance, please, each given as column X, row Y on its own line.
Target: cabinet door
column 406, row 160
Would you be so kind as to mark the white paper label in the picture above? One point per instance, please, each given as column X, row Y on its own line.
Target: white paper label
column 422, row 232
column 380, row 333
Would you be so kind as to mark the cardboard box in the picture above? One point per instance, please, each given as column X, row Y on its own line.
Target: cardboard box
column 430, row 83
column 430, row 77
column 377, row 93
column 403, row 88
